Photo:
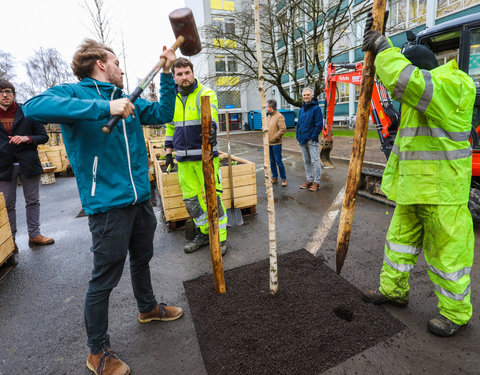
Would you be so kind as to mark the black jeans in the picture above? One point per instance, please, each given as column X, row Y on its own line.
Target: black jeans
column 114, row 233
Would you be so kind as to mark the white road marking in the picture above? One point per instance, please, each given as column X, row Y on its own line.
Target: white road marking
column 326, row 224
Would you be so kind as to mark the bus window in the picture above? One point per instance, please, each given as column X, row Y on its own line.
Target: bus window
column 474, row 60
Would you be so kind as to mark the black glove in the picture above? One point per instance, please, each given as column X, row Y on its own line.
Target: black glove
column 212, row 138
column 372, row 40
column 169, row 161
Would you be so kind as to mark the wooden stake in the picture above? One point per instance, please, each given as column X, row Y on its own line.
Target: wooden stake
column 211, row 198
column 272, row 240
column 359, row 139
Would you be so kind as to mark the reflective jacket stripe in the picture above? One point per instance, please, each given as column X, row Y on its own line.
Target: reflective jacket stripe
column 402, row 82
column 396, row 266
column 427, row 93
column 434, row 132
column 187, row 123
column 432, row 155
column 193, row 152
column 169, row 138
column 454, row 296
column 201, row 220
column 450, row 276
column 403, row 248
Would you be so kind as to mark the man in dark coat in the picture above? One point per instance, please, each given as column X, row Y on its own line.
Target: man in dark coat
column 19, row 138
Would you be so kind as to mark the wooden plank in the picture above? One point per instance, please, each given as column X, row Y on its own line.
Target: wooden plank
column 5, row 232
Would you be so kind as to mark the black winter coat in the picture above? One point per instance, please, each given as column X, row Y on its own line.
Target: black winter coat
column 25, row 153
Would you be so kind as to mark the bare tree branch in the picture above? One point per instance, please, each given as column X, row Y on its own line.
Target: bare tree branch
column 293, row 40
column 99, row 20
column 7, row 70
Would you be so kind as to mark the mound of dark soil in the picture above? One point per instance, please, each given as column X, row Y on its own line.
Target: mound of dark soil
column 314, row 322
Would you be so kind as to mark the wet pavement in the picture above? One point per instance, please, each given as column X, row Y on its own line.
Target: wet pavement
column 41, row 300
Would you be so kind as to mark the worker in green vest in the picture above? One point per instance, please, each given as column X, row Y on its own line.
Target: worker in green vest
column 184, row 135
column 428, row 175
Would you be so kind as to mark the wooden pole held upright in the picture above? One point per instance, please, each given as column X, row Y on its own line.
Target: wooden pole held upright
column 359, row 139
column 211, row 198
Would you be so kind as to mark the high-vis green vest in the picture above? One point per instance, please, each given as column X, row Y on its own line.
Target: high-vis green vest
column 431, row 161
column 185, row 131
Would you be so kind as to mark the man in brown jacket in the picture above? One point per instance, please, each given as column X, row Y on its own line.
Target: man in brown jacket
column 276, row 129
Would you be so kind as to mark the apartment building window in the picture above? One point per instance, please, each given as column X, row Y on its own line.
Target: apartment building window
column 445, row 7
column 225, row 64
column 225, row 25
column 299, row 56
column 222, row 4
column 228, row 98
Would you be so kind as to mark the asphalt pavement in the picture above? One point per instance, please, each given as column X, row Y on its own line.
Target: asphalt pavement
column 41, row 300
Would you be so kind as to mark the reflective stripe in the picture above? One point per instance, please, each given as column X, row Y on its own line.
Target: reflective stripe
column 169, row 138
column 403, row 248
column 395, row 149
column 199, row 95
column 455, row 296
column 201, row 220
column 190, row 152
column 427, row 93
column 187, row 123
column 222, row 225
column 451, row 276
column 436, row 155
column 223, row 217
column 213, row 106
column 403, row 81
column 396, row 266
column 434, row 132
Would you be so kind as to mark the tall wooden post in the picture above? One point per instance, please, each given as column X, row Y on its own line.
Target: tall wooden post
column 211, row 198
column 272, row 239
column 359, row 140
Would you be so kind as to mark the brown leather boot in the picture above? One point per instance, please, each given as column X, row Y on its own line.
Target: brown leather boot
column 40, row 241
column 161, row 312
column 274, row 180
column 107, row 363
column 306, row 185
column 284, row 183
column 314, row 187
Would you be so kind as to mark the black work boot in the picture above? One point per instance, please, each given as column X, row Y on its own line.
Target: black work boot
column 442, row 326
column 377, row 298
column 199, row 241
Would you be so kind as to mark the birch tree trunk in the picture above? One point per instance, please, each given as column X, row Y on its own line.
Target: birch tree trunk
column 272, row 239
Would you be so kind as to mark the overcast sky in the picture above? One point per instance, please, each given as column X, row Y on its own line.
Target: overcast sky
column 28, row 25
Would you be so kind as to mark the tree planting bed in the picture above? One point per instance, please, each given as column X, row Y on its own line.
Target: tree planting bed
column 315, row 321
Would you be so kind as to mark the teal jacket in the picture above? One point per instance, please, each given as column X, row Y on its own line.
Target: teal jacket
column 111, row 169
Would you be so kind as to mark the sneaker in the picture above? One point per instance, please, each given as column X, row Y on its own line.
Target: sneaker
column 306, row 185
column 443, row 327
column 199, row 241
column 284, row 182
column 40, row 241
column 107, row 363
column 161, row 312
column 314, row 187
column 377, row 298
column 223, row 247
column 274, row 180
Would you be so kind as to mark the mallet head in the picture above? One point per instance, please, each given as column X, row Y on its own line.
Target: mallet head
column 183, row 24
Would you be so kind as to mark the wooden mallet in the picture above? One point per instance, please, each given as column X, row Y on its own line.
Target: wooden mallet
column 188, row 40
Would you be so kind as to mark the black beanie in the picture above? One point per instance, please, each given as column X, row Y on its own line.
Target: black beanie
column 421, row 56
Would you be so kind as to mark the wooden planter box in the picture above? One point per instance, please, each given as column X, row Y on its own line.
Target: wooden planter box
column 7, row 260
column 244, row 182
column 156, row 147
column 56, row 155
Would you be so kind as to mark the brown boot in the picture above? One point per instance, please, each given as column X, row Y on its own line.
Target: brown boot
column 40, row 241
column 306, row 185
column 314, row 187
column 284, row 183
column 274, row 180
column 161, row 312
column 107, row 363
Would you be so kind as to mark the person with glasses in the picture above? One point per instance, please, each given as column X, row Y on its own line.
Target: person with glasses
column 19, row 138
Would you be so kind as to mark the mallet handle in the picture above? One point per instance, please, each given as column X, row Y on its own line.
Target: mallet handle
column 141, row 86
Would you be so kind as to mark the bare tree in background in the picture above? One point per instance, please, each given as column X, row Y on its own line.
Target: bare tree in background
column 7, row 69
column 45, row 69
column 289, row 41
column 99, row 19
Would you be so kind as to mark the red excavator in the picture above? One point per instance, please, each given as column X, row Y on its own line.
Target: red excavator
column 457, row 39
